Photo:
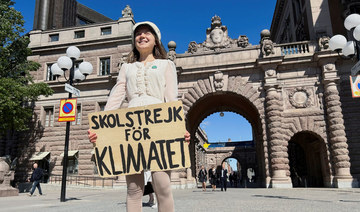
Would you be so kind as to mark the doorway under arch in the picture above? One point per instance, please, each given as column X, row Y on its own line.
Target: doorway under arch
column 307, row 160
column 232, row 102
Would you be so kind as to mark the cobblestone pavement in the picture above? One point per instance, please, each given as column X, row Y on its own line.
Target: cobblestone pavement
column 235, row 199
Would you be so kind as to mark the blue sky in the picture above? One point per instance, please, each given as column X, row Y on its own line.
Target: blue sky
column 185, row 21
column 182, row 21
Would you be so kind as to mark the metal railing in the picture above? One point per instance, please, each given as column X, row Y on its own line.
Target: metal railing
column 86, row 181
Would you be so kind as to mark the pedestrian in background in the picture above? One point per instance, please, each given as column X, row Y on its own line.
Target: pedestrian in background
column 203, row 177
column 36, row 177
column 223, row 177
column 213, row 177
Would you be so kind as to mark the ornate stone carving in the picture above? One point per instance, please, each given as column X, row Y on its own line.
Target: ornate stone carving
column 6, row 176
column 270, row 73
column 172, row 54
column 324, row 42
column 217, row 35
column 300, row 97
column 127, row 12
column 243, row 41
column 193, row 47
column 218, row 80
column 267, row 46
column 217, row 38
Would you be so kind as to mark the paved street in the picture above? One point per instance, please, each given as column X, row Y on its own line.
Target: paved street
column 87, row 200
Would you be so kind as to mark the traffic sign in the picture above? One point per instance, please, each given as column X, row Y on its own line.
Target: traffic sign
column 72, row 90
column 355, row 69
column 67, row 110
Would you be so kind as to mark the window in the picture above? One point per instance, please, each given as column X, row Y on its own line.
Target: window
column 106, row 31
column 78, row 116
column 72, row 165
column 49, row 117
column 104, row 66
column 79, row 34
column 49, row 75
column 54, row 37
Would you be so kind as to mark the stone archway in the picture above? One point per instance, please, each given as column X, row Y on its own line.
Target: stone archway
column 238, row 96
column 308, row 134
column 307, row 161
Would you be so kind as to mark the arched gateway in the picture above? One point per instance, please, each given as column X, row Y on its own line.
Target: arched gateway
column 289, row 95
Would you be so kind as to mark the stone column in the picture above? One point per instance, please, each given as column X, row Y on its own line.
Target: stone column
column 278, row 147
column 336, row 129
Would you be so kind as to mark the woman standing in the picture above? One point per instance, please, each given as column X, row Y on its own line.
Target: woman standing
column 202, row 177
column 147, row 78
column 213, row 177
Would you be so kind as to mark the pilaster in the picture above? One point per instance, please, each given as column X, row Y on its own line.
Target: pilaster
column 336, row 129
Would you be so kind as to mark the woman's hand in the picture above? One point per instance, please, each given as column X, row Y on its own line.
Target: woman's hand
column 92, row 136
column 187, row 137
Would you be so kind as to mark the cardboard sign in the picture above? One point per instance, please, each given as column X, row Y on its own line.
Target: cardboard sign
column 133, row 139
column 67, row 110
column 355, row 86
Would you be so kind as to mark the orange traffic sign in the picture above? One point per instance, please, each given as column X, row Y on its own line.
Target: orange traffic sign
column 67, row 110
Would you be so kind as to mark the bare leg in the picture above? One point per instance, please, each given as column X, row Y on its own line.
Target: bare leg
column 135, row 191
column 162, row 188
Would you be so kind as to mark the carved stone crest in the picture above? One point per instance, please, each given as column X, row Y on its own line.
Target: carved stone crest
column 300, row 97
column 218, row 80
column 217, row 39
column 217, row 35
column 127, row 12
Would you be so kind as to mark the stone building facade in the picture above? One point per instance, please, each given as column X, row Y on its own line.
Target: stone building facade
column 295, row 95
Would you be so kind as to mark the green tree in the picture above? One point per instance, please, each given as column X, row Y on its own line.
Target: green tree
column 18, row 91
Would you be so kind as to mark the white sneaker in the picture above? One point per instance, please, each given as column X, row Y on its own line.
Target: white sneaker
column 154, row 206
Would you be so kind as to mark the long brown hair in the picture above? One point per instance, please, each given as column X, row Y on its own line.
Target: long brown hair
column 158, row 51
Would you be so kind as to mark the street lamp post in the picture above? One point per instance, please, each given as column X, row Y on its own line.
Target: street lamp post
column 339, row 43
column 63, row 64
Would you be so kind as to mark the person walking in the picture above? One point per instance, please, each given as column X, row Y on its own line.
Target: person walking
column 213, row 177
column 223, row 177
column 36, row 177
column 203, row 177
column 147, row 78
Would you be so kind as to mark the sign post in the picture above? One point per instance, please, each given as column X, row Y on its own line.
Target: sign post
column 67, row 110
column 72, row 89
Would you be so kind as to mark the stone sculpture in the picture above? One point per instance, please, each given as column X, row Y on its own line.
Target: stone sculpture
column 267, row 46
column 218, row 80
column 243, row 41
column 127, row 12
column 217, row 35
column 6, row 176
column 172, row 54
column 324, row 42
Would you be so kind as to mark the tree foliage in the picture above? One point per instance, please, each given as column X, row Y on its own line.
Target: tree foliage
column 17, row 88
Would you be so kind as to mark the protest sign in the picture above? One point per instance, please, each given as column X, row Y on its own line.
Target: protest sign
column 133, row 139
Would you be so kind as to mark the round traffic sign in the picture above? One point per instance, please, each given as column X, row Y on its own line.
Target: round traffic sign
column 68, row 107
